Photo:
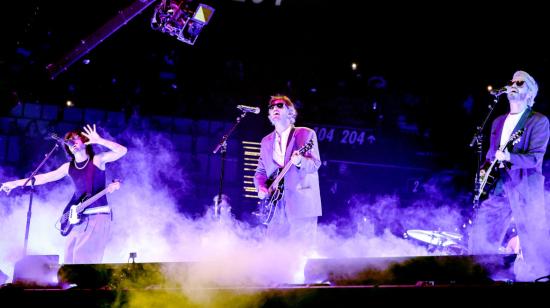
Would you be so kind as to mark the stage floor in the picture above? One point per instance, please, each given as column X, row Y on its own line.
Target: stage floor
column 424, row 295
column 426, row 281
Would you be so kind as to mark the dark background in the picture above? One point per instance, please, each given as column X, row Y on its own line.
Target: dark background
column 250, row 50
column 420, row 88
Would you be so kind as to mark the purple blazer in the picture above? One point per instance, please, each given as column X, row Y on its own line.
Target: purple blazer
column 301, row 185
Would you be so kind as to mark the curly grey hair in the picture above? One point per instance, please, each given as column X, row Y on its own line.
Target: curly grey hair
column 531, row 85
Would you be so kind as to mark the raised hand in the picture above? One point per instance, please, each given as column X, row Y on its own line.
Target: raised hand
column 91, row 133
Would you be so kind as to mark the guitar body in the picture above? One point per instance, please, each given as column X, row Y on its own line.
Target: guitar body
column 275, row 181
column 65, row 227
column 73, row 213
column 266, row 208
column 488, row 182
column 71, row 217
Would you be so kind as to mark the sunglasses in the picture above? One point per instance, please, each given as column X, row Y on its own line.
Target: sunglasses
column 72, row 141
column 278, row 105
column 519, row 83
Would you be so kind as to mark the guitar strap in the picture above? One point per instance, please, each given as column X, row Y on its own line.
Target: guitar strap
column 290, row 137
column 287, row 154
column 521, row 124
column 292, row 131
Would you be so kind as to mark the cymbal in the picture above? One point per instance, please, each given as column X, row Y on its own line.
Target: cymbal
column 438, row 238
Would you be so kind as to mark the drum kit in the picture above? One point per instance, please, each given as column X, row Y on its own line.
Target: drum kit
column 447, row 243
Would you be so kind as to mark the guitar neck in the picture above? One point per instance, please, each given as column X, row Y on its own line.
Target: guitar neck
column 280, row 176
column 93, row 199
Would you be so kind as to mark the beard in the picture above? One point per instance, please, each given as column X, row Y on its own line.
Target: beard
column 517, row 96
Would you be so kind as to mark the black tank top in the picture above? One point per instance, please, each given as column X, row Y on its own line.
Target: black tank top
column 89, row 180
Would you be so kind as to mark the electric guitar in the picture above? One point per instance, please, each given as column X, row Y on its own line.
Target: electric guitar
column 491, row 175
column 267, row 206
column 72, row 214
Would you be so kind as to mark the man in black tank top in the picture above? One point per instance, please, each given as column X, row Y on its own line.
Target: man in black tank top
column 87, row 218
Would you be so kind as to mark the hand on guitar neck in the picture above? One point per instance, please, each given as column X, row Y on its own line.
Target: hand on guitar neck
column 295, row 159
column 500, row 157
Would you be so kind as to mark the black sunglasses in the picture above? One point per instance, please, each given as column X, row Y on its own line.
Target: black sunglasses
column 519, row 83
column 72, row 142
column 279, row 105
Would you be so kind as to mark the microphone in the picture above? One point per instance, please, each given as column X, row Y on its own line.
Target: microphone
column 244, row 108
column 498, row 92
column 59, row 140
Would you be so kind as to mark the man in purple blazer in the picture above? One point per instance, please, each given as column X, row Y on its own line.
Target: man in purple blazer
column 295, row 215
column 518, row 192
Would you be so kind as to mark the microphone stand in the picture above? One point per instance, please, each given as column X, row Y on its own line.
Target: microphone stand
column 477, row 141
column 32, row 179
column 223, row 146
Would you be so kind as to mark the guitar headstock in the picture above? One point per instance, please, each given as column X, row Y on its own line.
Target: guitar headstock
column 515, row 137
column 306, row 147
column 113, row 186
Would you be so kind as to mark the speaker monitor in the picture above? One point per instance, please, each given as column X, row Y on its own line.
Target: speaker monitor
column 36, row 271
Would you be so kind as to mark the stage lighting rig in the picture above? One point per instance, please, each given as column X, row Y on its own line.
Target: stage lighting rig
column 181, row 19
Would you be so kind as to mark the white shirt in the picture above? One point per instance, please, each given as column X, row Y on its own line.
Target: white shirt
column 279, row 146
column 509, row 125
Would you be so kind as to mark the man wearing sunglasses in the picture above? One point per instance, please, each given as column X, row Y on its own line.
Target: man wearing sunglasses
column 518, row 192
column 295, row 215
column 88, row 237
